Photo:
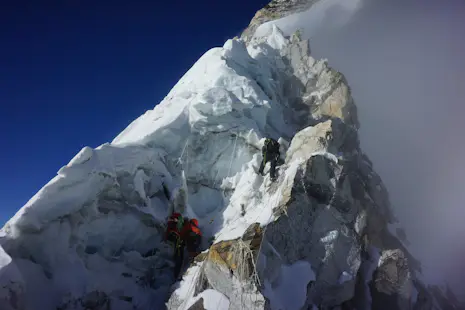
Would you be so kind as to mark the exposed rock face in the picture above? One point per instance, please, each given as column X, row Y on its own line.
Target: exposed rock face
column 275, row 10
column 317, row 224
column 332, row 215
column 334, row 209
column 230, row 264
column 333, row 206
column 392, row 285
column 198, row 305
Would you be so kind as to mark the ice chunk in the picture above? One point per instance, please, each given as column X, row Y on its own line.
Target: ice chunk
column 84, row 155
column 212, row 300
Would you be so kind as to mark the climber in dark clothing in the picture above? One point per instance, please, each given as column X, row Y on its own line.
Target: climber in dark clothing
column 270, row 153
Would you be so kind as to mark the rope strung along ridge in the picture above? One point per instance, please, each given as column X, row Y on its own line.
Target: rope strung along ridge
column 232, row 156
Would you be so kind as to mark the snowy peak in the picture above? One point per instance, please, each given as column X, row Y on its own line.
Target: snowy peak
column 274, row 10
column 317, row 237
column 95, row 230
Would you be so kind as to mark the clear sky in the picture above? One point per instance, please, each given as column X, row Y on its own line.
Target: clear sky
column 76, row 73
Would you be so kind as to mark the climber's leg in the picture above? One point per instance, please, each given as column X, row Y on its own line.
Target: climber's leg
column 172, row 238
column 178, row 258
column 262, row 165
column 193, row 246
column 273, row 169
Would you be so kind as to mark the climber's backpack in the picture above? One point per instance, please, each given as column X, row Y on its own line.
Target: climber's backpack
column 193, row 235
column 272, row 146
column 194, row 227
column 175, row 226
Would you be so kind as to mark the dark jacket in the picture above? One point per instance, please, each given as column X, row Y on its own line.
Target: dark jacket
column 270, row 148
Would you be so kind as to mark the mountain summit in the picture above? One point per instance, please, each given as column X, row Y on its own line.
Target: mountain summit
column 322, row 236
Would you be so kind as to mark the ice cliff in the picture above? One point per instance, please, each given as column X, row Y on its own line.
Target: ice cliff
column 321, row 237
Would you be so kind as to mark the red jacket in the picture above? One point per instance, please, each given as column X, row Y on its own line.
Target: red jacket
column 191, row 226
column 185, row 231
column 173, row 226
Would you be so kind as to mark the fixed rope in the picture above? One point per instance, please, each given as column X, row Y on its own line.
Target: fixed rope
column 246, row 265
column 232, row 156
column 229, row 170
column 216, row 176
column 239, row 217
column 185, row 149
column 254, row 277
column 230, row 163
column 241, row 253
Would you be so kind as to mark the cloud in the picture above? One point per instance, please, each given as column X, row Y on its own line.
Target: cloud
column 323, row 16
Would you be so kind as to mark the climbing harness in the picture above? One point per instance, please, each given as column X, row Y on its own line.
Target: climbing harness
column 180, row 223
column 178, row 246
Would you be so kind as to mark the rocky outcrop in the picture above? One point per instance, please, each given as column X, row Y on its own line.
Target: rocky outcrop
column 326, row 212
column 274, row 10
column 333, row 215
column 226, row 267
column 331, row 223
column 392, row 285
column 317, row 92
column 198, row 305
column 237, row 256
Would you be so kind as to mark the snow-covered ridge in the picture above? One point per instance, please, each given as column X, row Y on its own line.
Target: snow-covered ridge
column 94, row 231
column 275, row 9
column 92, row 237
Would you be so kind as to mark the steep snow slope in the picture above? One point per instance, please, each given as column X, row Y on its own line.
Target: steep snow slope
column 93, row 233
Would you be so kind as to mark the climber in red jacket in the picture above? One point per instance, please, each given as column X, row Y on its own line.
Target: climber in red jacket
column 192, row 237
column 183, row 232
column 174, row 228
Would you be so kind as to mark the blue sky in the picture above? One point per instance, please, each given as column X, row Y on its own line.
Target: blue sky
column 76, row 73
